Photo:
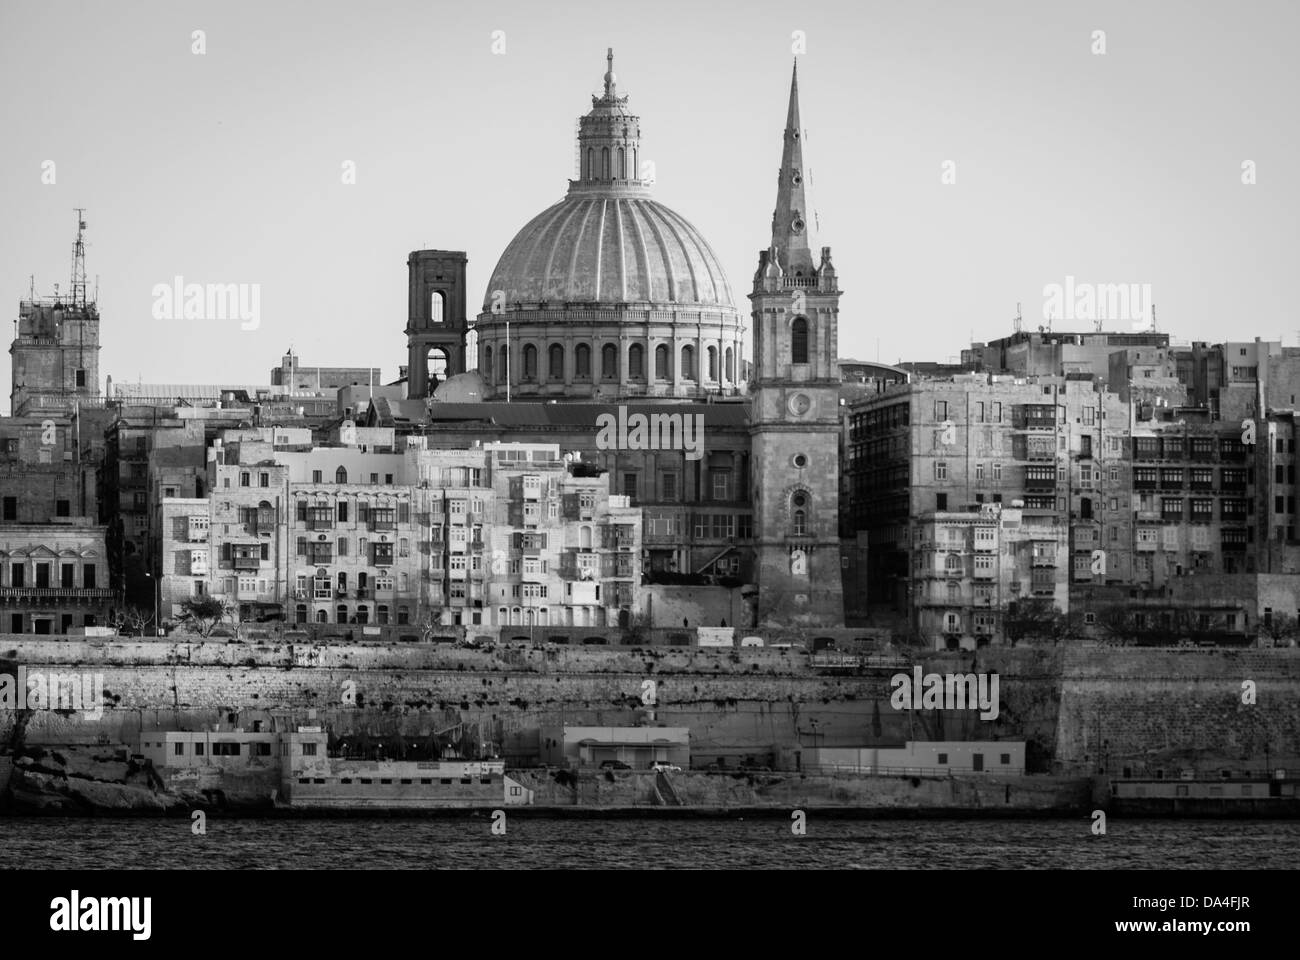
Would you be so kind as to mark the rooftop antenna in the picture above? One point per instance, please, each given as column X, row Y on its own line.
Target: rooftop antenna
column 79, row 261
column 1019, row 319
column 1153, row 317
column 31, row 295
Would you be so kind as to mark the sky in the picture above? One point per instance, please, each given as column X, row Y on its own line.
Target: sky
column 227, row 166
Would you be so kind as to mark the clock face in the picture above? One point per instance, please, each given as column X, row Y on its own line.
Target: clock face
column 800, row 404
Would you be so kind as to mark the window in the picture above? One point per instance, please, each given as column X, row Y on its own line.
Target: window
column 940, row 470
column 661, row 362
column 721, row 484
column 263, row 479
column 636, row 362
column 340, row 475
column 556, row 362
column 609, row 362
column 530, row 362
column 997, row 472
column 712, row 354
column 582, row 362
column 629, row 485
column 799, row 340
column 941, row 409
column 688, row 362
column 943, row 759
column 979, row 473
column 243, row 479
column 669, row 485
column 316, row 476
column 62, row 508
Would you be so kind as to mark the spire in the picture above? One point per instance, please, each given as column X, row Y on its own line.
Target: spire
column 611, row 81
column 790, row 220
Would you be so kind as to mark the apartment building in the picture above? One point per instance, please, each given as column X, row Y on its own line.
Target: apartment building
column 357, row 532
column 971, row 568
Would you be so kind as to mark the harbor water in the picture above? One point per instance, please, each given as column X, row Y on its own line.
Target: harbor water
column 644, row 843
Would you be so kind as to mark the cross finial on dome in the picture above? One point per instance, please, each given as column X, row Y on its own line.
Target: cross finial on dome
column 611, row 81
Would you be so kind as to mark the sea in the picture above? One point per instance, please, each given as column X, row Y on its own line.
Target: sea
column 531, row 842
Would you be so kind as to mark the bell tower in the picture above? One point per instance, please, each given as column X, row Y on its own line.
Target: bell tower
column 436, row 327
column 795, row 414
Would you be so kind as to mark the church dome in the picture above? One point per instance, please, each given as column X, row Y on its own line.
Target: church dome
column 605, row 248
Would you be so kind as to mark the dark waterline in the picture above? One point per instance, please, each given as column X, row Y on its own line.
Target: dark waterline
column 643, row 843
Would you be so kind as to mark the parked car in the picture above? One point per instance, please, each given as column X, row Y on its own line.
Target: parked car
column 663, row 766
column 615, row 765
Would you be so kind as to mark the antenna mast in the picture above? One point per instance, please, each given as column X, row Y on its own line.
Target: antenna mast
column 1153, row 317
column 1019, row 319
column 79, row 261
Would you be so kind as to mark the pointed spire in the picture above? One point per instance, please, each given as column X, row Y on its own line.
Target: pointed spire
column 792, row 115
column 790, row 219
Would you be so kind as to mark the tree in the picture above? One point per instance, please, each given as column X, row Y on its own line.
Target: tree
column 1116, row 625
column 133, row 621
column 1034, row 619
column 1280, row 628
column 205, row 613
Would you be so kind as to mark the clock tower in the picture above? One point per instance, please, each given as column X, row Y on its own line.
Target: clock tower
column 795, row 414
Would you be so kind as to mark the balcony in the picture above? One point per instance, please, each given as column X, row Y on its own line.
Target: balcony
column 56, row 593
column 383, row 519
column 247, row 563
column 320, row 521
column 983, row 574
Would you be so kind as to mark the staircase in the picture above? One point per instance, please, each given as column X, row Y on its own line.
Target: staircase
column 665, row 789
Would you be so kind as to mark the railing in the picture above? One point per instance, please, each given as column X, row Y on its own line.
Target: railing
column 248, row 563
column 72, row 593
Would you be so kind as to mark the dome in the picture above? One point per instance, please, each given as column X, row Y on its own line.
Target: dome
column 609, row 249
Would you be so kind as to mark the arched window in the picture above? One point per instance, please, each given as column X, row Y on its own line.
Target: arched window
column 487, row 363
column 556, row 371
column 688, row 362
column 661, row 362
column 591, row 164
column 604, row 163
column 799, row 341
column 636, row 362
column 584, row 538
column 582, row 361
column 363, row 614
column 954, row 591
column 609, row 362
column 381, row 613
column 952, row 563
column 322, row 616
column 622, row 164
column 437, row 303
column 503, row 364
column 799, row 514
column 340, row 475
column 436, row 364
column 341, row 613
column 636, row 171
column 728, row 365
column 502, row 612
column 713, row 363
column 300, row 613
column 530, row 362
